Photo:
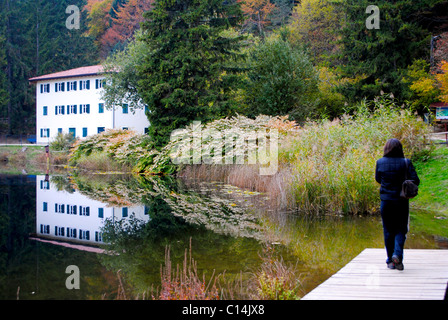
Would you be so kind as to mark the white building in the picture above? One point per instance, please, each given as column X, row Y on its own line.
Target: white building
column 70, row 101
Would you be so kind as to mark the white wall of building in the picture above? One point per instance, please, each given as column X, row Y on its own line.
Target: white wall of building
column 81, row 122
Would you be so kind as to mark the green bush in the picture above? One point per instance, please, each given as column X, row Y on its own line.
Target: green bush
column 125, row 147
column 62, row 142
column 281, row 81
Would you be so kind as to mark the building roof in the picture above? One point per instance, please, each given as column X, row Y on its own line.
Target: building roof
column 77, row 72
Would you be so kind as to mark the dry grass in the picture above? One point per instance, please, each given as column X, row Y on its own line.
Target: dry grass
column 100, row 162
column 18, row 159
column 273, row 280
column 245, row 177
column 184, row 283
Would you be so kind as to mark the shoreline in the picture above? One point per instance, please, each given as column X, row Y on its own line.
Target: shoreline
column 31, row 159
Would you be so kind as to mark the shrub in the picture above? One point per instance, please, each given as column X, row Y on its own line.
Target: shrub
column 62, row 142
column 181, row 147
column 122, row 146
column 281, row 80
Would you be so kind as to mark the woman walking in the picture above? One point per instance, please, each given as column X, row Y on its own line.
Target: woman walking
column 391, row 171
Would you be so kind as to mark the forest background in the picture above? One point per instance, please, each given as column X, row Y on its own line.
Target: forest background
column 337, row 60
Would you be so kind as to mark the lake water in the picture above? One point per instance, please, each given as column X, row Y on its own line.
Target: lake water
column 115, row 229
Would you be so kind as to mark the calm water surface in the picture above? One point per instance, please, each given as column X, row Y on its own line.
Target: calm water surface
column 117, row 227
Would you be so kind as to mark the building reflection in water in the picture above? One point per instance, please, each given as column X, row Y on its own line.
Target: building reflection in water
column 73, row 218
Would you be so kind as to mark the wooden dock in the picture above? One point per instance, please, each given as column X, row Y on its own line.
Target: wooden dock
column 366, row 277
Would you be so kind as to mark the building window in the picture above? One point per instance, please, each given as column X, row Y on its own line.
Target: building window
column 84, row 84
column 71, row 85
column 71, row 209
column 59, row 86
column 84, row 108
column 100, row 213
column 45, row 88
column 59, row 110
column 84, row 132
column 125, row 108
column 45, row 206
column 101, row 129
column 58, row 231
column 59, row 208
column 84, row 234
column 72, row 109
column 45, row 133
column 60, row 130
column 125, row 128
column 98, row 236
column 72, row 131
column 71, row 232
column 101, row 108
column 45, row 110
column 124, row 212
column 99, row 83
column 45, row 229
column 84, row 211
column 45, row 185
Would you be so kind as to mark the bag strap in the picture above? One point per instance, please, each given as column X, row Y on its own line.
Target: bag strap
column 406, row 172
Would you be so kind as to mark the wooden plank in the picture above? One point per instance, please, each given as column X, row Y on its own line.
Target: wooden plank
column 366, row 277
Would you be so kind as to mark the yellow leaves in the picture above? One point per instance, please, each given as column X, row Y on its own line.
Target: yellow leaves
column 423, row 86
column 98, row 11
column 422, row 83
column 427, row 85
column 442, row 80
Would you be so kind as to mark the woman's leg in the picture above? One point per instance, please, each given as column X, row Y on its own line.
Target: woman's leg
column 402, row 214
column 388, row 229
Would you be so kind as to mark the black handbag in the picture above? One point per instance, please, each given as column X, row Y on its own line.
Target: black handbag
column 409, row 189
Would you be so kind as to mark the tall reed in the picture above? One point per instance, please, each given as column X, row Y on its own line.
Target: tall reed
column 184, row 283
column 333, row 162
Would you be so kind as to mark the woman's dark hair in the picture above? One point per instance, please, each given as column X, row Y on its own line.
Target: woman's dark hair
column 393, row 149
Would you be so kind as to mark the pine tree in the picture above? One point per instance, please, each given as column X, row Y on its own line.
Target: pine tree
column 186, row 76
column 377, row 57
column 4, row 96
column 281, row 80
column 34, row 41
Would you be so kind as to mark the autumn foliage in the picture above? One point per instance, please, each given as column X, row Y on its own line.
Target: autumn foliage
column 127, row 20
column 257, row 13
column 111, row 25
column 442, row 79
